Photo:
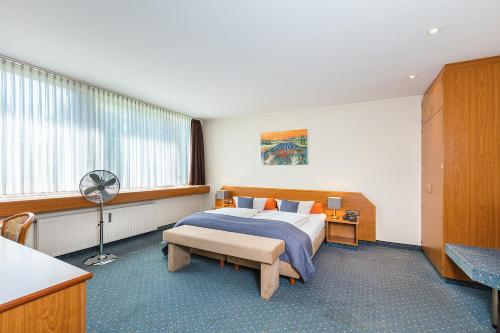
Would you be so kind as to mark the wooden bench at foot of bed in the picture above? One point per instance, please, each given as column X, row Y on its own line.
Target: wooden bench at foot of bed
column 263, row 250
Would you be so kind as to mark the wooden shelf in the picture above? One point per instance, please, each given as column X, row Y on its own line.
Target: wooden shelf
column 344, row 240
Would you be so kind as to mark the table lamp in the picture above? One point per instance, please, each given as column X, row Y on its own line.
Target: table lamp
column 223, row 195
column 334, row 203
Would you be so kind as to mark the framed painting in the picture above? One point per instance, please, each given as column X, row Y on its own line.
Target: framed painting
column 284, row 148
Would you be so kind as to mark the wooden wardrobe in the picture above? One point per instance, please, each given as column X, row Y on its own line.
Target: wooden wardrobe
column 461, row 161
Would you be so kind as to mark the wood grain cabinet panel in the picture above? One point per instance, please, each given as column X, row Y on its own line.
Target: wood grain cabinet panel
column 432, row 189
column 60, row 312
column 39, row 293
column 469, row 95
column 433, row 99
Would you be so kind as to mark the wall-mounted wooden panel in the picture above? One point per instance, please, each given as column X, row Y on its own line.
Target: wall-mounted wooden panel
column 350, row 200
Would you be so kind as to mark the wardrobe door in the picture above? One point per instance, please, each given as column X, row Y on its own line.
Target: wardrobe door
column 432, row 189
column 472, row 138
column 432, row 102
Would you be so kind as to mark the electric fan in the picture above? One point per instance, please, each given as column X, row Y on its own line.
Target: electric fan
column 100, row 186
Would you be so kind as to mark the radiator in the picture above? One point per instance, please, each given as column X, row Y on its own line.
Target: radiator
column 71, row 232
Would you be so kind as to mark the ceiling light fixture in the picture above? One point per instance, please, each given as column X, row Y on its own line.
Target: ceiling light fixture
column 412, row 76
column 434, row 30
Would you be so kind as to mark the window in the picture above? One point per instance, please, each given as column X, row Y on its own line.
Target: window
column 53, row 130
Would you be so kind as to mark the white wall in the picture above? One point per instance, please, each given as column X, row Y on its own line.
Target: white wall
column 171, row 210
column 371, row 147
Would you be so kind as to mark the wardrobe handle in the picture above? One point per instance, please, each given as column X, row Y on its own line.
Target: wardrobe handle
column 429, row 188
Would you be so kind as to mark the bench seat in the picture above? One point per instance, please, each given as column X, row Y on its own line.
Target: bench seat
column 263, row 250
column 481, row 265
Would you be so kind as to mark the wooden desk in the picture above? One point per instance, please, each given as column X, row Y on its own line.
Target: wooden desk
column 39, row 293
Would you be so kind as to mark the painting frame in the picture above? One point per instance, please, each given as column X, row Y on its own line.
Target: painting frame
column 288, row 147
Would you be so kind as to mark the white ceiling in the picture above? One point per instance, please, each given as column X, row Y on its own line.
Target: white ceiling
column 220, row 58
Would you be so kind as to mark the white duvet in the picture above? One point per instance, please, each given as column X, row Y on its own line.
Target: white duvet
column 311, row 224
column 239, row 212
column 294, row 219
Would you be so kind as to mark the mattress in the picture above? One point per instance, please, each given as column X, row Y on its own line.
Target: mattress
column 314, row 226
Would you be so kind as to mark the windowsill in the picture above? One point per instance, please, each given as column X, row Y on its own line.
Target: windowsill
column 52, row 202
column 52, row 195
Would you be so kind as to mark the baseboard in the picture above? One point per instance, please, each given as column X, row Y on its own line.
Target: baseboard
column 393, row 245
column 342, row 246
column 166, row 227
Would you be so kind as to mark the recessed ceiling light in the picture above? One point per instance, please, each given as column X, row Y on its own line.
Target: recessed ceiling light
column 412, row 76
column 434, row 30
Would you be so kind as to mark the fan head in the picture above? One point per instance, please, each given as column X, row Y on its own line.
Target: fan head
column 99, row 186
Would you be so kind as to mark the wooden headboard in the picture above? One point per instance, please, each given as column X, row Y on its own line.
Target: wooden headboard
column 350, row 200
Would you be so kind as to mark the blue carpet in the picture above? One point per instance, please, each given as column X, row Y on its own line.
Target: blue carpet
column 373, row 289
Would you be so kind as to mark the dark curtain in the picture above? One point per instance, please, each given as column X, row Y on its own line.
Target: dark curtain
column 197, row 168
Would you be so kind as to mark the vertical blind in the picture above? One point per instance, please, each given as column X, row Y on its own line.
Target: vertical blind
column 53, row 130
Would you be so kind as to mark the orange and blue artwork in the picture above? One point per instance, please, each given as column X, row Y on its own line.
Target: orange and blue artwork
column 284, row 148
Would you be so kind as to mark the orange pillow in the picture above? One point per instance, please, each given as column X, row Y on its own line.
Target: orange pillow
column 317, row 208
column 270, row 204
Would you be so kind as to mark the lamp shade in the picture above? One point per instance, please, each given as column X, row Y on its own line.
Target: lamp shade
column 334, row 202
column 222, row 194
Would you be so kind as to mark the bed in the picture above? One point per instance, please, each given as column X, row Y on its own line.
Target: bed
column 313, row 228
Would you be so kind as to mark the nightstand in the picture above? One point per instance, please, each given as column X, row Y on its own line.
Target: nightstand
column 341, row 231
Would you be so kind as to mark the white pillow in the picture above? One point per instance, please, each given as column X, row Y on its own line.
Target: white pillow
column 303, row 208
column 258, row 203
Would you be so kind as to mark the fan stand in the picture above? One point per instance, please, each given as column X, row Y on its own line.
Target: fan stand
column 101, row 258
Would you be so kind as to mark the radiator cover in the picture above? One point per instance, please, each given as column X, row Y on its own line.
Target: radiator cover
column 75, row 231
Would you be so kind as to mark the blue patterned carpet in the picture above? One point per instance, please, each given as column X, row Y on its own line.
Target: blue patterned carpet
column 373, row 289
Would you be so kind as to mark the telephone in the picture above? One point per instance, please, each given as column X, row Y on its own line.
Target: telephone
column 351, row 215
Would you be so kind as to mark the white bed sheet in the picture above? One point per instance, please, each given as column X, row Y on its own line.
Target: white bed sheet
column 238, row 212
column 297, row 220
column 314, row 226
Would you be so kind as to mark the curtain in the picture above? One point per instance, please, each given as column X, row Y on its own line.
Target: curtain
column 53, row 130
column 197, row 169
